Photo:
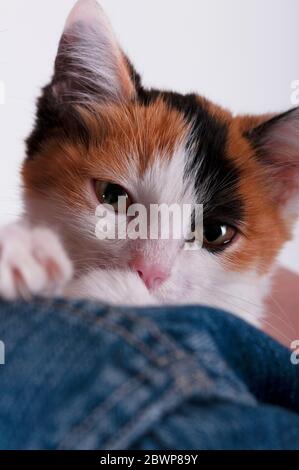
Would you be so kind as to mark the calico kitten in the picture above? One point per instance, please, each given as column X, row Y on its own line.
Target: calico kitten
column 100, row 134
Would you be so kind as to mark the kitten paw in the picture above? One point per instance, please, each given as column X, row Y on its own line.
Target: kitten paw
column 32, row 262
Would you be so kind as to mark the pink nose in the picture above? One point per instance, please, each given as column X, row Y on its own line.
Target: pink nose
column 152, row 275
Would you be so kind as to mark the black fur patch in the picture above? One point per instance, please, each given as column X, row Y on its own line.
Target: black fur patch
column 54, row 120
column 212, row 168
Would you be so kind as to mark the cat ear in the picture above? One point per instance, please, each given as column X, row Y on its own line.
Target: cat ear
column 276, row 141
column 90, row 64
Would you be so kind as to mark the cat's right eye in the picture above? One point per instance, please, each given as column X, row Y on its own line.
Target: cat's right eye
column 109, row 193
column 217, row 235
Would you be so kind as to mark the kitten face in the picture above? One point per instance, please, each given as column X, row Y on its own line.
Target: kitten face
column 96, row 122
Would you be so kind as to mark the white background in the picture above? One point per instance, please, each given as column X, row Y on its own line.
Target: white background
column 242, row 54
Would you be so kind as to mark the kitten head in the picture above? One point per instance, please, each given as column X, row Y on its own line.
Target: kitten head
column 100, row 134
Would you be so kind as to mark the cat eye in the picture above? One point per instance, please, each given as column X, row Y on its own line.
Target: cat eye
column 108, row 193
column 217, row 235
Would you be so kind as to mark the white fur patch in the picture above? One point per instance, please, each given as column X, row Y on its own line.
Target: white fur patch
column 113, row 286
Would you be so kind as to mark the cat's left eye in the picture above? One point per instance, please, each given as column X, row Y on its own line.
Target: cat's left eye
column 109, row 193
column 217, row 235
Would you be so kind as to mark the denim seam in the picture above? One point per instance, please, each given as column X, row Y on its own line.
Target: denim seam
column 128, row 336
column 180, row 392
column 180, row 387
column 88, row 422
column 134, row 341
column 108, row 322
column 196, row 377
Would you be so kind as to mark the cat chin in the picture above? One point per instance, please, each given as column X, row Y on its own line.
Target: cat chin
column 241, row 295
column 114, row 287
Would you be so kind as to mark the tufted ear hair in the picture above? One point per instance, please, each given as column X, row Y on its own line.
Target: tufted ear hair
column 90, row 64
column 276, row 141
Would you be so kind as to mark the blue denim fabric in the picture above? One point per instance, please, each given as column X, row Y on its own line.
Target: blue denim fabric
column 86, row 376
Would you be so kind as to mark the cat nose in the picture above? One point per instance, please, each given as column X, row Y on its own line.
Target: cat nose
column 152, row 275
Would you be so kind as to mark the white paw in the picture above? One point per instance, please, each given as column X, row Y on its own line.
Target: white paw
column 32, row 262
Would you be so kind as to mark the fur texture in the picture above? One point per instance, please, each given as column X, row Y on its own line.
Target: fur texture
column 95, row 121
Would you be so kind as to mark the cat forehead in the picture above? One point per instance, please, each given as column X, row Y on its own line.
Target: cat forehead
column 134, row 133
column 161, row 145
column 164, row 140
column 158, row 125
column 160, row 142
column 142, row 147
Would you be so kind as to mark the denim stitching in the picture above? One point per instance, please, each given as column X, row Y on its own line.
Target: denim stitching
column 183, row 389
column 130, row 338
column 156, row 332
column 183, row 382
column 110, row 326
column 138, row 343
column 88, row 422
column 179, row 385
column 127, row 429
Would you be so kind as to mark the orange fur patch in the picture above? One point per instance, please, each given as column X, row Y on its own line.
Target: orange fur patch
column 264, row 229
column 122, row 138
